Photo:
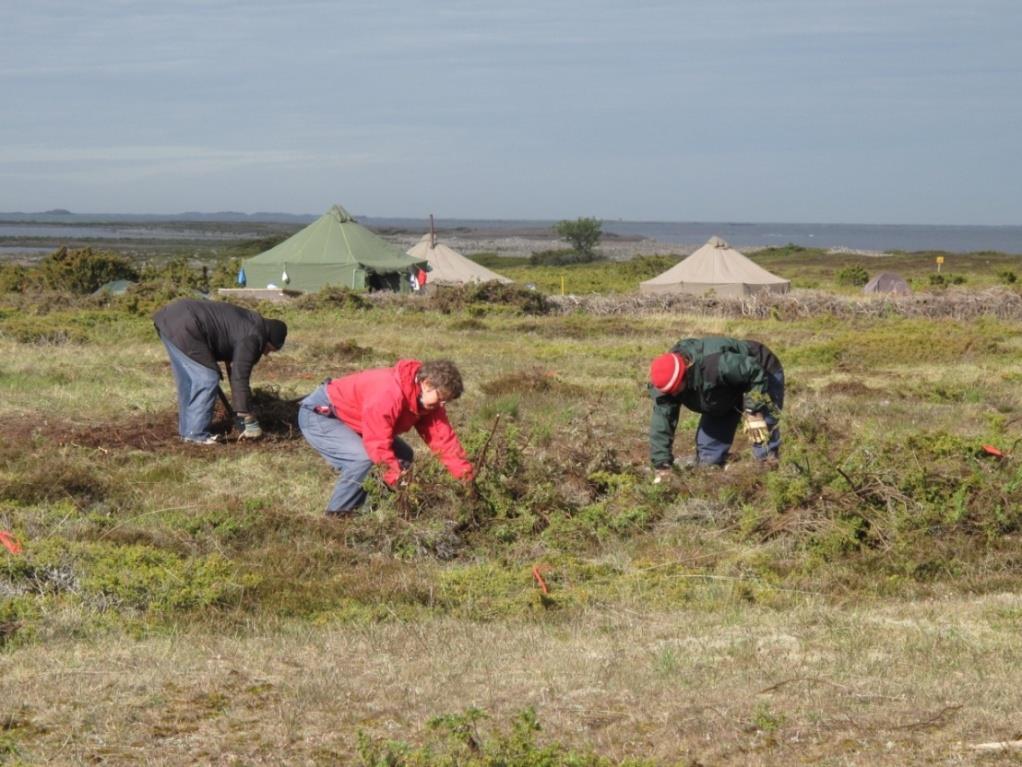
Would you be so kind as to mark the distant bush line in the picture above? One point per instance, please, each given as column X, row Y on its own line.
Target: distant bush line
column 998, row 303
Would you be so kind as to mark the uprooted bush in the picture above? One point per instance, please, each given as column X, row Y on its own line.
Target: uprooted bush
column 278, row 415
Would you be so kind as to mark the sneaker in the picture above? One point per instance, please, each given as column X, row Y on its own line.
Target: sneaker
column 212, row 439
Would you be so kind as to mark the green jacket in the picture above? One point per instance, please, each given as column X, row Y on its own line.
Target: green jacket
column 721, row 375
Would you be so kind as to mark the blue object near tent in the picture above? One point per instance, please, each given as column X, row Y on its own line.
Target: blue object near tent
column 242, row 280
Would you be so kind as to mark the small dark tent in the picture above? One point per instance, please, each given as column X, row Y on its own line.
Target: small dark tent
column 887, row 282
column 333, row 250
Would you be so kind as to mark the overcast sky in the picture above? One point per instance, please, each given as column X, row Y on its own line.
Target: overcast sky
column 859, row 111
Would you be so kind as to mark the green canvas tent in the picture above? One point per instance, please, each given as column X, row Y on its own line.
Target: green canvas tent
column 332, row 250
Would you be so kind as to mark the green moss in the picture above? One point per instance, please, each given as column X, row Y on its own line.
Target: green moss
column 483, row 591
column 157, row 581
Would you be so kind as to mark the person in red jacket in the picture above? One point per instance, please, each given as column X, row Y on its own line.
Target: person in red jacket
column 354, row 423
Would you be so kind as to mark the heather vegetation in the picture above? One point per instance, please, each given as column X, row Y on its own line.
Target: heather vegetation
column 182, row 604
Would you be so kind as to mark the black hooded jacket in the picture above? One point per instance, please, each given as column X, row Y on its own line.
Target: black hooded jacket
column 213, row 331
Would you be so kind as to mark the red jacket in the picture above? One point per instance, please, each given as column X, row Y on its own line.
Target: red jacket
column 381, row 403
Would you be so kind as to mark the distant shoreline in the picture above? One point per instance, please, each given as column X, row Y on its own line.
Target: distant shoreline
column 622, row 239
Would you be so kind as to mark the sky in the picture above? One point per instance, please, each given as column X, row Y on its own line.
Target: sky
column 816, row 111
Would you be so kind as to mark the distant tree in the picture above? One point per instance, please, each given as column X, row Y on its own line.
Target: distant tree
column 582, row 233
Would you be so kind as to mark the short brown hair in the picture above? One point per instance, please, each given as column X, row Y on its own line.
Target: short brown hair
column 444, row 376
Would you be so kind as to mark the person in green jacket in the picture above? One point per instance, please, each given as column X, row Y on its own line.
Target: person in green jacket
column 725, row 380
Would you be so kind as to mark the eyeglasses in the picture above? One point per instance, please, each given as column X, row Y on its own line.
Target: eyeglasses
column 441, row 396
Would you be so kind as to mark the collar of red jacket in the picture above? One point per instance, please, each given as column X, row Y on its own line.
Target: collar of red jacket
column 405, row 372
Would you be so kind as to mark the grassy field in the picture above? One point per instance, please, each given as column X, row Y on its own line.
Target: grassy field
column 856, row 605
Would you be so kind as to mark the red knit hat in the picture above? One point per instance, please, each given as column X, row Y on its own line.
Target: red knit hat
column 667, row 372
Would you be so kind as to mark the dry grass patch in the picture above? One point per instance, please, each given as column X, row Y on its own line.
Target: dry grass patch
column 874, row 685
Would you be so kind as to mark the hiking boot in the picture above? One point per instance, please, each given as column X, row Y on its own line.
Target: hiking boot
column 340, row 514
column 692, row 462
column 687, row 463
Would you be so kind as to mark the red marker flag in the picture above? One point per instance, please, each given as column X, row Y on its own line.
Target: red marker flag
column 10, row 542
column 991, row 450
column 537, row 574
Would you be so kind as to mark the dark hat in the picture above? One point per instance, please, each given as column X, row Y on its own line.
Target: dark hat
column 276, row 332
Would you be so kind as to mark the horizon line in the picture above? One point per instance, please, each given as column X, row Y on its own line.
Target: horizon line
column 53, row 212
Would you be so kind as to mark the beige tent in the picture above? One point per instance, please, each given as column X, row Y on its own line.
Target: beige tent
column 448, row 266
column 719, row 268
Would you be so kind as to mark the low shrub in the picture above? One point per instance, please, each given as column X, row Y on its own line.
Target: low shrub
column 332, row 297
column 943, row 280
column 148, row 579
column 83, row 271
column 179, row 273
column 486, row 295
column 855, row 276
column 27, row 329
column 562, row 258
column 463, row 739
column 15, row 278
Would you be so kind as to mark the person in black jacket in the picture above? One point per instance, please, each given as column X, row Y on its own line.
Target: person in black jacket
column 198, row 334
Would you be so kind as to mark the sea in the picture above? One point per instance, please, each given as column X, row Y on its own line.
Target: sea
column 47, row 228
column 858, row 237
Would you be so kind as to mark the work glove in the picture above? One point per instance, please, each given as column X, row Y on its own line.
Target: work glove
column 394, row 477
column 248, row 426
column 755, row 425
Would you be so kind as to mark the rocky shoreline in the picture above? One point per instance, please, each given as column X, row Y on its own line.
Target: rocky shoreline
column 519, row 243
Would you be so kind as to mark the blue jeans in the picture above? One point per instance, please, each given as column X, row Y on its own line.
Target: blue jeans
column 716, row 432
column 342, row 448
column 196, row 394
